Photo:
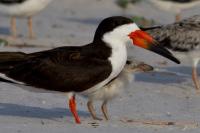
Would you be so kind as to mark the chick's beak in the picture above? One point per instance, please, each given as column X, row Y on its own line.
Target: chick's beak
column 144, row 40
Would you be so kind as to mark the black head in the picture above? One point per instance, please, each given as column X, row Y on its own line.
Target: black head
column 121, row 30
column 110, row 24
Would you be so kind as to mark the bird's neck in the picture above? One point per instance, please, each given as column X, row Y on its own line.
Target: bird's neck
column 118, row 56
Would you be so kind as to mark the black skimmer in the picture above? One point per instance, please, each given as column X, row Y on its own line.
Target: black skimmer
column 22, row 9
column 182, row 37
column 175, row 6
column 84, row 69
column 115, row 86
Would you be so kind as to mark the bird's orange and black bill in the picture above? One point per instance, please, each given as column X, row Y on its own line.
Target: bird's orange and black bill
column 144, row 40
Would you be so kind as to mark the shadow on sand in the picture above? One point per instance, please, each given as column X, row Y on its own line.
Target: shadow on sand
column 171, row 75
column 8, row 109
column 4, row 31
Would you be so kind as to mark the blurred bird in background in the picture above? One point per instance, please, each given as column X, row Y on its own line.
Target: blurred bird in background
column 182, row 37
column 22, row 9
column 175, row 6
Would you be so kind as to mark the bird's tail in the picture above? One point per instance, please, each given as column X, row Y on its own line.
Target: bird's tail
column 8, row 60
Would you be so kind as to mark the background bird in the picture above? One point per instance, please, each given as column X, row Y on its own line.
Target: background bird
column 182, row 37
column 22, row 9
column 175, row 6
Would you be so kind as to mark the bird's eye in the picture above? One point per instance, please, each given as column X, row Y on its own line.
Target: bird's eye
column 115, row 24
column 128, row 62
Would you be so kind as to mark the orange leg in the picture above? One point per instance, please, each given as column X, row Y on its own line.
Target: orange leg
column 178, row 17
column 30, row 27
column 13, row 27
column 195, row 74
column 72, row 106
column 195, row 79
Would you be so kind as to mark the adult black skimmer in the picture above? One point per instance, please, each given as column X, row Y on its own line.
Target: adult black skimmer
column 183, row 36
column 175, row 6
column 22, row 9
column 83, row 69
column 115, row 86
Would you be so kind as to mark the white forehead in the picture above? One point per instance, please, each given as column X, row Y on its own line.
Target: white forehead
column 126, row 29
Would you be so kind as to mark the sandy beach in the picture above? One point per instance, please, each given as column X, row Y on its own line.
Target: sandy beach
column 167, row 95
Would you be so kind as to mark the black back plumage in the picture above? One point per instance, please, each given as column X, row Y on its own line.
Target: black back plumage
column 179, row 36
column 62, row 69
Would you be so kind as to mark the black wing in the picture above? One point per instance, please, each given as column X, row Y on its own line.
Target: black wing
column 64, row 69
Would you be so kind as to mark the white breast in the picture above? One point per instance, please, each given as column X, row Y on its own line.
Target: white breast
column 116, row 40
column 118, row 60
column 25, row 9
